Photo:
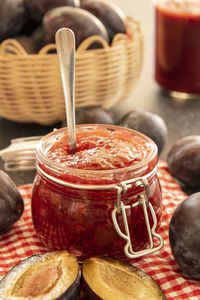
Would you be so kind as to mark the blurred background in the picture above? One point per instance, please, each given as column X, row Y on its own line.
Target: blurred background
column 181, row 116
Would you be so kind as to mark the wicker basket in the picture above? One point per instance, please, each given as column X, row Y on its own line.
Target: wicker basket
column 31, row 88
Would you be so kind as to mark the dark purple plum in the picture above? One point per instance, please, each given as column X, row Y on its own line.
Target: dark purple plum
column 38, row 8
column 147, row 123
column 12, row 18
column 184, row 236
column 11, row 203
column 94, row 115
column 27, row 43
column 51, row 275
column 38, row 37
column 184, row 160
column 107, row 278
column 108, row 13
column 81, row 22
column 29, row 26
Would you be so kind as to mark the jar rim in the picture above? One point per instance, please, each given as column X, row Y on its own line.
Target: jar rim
column 53, row 165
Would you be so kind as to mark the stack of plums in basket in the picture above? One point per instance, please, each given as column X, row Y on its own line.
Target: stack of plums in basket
column 34, row 23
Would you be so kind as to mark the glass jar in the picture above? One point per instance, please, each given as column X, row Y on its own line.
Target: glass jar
column 97, row 212
column 177, row 44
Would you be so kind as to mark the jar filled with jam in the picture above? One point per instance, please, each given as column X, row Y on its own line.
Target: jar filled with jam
column 177, row 44
column 105, row 199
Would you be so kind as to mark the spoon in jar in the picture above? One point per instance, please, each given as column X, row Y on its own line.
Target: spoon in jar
column 20, row 154
column 65, row 44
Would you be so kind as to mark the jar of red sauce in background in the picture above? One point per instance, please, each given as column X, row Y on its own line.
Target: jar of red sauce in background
column 177, row 47
column 103, row 200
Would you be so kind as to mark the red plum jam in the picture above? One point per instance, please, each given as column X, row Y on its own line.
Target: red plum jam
column 177, row 44
column 74, row 195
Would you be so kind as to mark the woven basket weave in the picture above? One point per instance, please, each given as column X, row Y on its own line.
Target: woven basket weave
column 31, row 88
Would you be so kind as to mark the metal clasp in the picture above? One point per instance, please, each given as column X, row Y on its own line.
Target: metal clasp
column 142, row 200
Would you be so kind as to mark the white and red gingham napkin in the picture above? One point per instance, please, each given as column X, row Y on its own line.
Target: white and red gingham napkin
column 21, row 242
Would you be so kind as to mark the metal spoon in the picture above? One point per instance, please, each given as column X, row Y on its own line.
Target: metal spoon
column 20, row 155
column 65, row 44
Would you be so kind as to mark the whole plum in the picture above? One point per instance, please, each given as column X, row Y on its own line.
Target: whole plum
column 38, row 8
column 29, row 26
column 108, row 13
column 81, row 22
column 11, row 203
column 147, row 123
column 12, row 17
column 38, row 37
column 184, row 236
column 184, row 160
column 94, row 115
column 27, row 43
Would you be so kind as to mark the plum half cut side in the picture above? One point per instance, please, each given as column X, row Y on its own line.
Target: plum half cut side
column 51, row 275
column 107, row 278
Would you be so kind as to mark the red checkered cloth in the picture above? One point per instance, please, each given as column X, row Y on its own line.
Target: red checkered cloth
column 21, row 242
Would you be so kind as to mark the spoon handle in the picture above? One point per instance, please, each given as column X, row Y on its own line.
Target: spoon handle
column 65, row 44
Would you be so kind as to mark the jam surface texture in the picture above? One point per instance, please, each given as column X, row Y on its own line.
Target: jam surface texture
column 101, row 150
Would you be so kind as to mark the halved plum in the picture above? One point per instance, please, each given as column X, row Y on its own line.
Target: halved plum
column 107, row 278
column 51, row 275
